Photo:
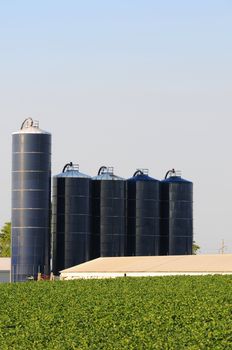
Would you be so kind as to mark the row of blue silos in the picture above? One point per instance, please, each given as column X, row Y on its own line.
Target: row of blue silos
column 91, row 217
column 109, row 216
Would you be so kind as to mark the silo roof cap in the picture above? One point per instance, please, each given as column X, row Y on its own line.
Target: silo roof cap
column 72, row 170
column 30, row 126
column 176, row 179
column 106, row 173
column 142, row 175
column 174, row 176
column 73, row 173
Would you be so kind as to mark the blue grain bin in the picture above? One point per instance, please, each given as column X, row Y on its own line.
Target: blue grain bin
column 71, row 218
column 143, row 234
column 31, row 190
column 176, row 201
column 109, row 224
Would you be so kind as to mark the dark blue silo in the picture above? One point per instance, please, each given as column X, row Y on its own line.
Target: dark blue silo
column 109, row 224
column 31, row 190
column 71, row 218
column 176, row 208
column 143, row 234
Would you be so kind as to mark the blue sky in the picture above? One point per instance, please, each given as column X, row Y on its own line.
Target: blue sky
column 127, row 84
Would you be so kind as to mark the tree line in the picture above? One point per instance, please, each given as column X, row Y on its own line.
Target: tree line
column 5, row 240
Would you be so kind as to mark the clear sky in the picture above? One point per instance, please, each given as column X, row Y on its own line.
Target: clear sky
column 129, row 84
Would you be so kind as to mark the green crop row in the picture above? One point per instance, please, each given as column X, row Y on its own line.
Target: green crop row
column 181, row 312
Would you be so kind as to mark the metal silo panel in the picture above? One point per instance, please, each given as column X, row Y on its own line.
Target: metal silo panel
column 96, row 222
column 31, row 173
column 177, row 214
column 77, row 221
column 109, row 224
column 72, row 218
column 143, row 234
column 58, row 224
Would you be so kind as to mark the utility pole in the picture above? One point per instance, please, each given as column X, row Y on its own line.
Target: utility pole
column 222, row 249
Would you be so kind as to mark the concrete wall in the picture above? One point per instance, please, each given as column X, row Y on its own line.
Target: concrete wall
column 99, row 275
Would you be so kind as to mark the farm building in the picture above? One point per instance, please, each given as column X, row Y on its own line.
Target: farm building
column 5, row 269
column 136, row 266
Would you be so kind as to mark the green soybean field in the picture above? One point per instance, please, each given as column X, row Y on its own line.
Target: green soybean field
column 177, row 312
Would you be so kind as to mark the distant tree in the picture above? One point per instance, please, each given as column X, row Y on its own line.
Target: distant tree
column 196, row 247
column 5, row 234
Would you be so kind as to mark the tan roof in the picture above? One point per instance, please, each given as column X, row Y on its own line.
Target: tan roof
column 5, row 264
column 178, row 263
